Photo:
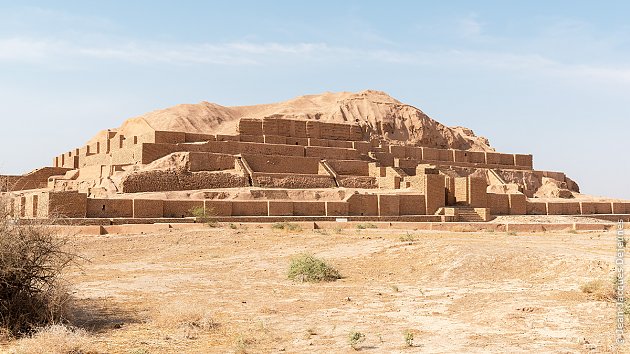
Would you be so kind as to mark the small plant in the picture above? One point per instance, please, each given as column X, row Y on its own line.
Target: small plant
column 355, row 338
column 395, row 288
column 572, row 231
column 204, row 216
column 338, row 230
column 408, row 238
column 366, row 226
column 233, row 226
column 409, row 338
column 306, row 267
column 287, row 226
column 512, row 233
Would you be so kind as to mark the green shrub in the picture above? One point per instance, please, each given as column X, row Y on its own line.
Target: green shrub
column 306, row 267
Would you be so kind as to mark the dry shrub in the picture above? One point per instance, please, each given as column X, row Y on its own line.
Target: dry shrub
column 32, row 259
column 55, row 339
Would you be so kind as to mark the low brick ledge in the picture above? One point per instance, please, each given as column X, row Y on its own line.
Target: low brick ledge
column 356, row 225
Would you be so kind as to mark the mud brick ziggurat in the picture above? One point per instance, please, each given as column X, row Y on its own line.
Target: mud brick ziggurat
column 353, row 155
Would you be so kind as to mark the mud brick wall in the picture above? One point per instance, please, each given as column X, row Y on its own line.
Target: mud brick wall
column 125, row 156
column 296, row 141
column 388, row 205
column 416, row 153
column 461, row 190
column 198, row 137
column 309, row 208
column 250, row 127
column 181, row 208
column 367, row 182
column 476, row 157
column 109, row 208
column 340, row 144
column 203, row 161
column 409, row 166
column 518, row 204
column 283, row 180
column 430, row 154
column 66, row 204
column 411, row 204
column 152, row 152
column 281, row 164
column 398, row 151
column 563, row 208
column 331, row 153
column 275, row 139
column 492, row 158
column 536, row 208
column 217, row 207
column 620, row 208
column 146, row 208
column 167, row 137
column 270, row 126
column 445, row 155
column 477, row 192
column 159, row 181
column 249, row 208
column 334, row 208
column 350, row 167
column 524, row 160
column 37, row 178
column 506, row 159
column 335, row 131
column 434, row 192
column 280, row 208
column 252, row 138
column 363, row 147
column 595, row 208
column 362, row 204
column 499, row 204
column 313, row 129
column 460, row 155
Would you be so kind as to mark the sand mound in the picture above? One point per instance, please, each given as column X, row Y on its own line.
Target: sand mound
column 383, row 116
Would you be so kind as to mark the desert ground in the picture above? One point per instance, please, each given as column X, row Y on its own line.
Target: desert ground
column 225, row 289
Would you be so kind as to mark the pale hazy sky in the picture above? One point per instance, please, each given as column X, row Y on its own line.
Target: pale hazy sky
column 540, row 77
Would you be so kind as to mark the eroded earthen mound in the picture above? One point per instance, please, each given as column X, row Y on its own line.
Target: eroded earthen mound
column 381, row 116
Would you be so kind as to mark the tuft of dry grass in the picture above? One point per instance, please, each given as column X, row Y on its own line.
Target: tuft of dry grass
column 306, row 267
column 55, row 339
column 600, row 290
column 190, row 319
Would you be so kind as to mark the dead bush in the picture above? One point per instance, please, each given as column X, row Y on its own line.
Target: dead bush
column 55, row 339
column 32, row 259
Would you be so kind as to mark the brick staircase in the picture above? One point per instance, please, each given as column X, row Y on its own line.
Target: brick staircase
column 467, row 214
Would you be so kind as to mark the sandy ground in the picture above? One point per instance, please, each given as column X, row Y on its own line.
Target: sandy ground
column 226, row 290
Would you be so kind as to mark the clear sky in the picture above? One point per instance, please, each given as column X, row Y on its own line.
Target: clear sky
column 551, row 78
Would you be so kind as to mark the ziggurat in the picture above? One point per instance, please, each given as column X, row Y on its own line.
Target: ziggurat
column 373, row 158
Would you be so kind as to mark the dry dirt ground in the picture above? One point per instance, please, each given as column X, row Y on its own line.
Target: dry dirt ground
column 222, row 290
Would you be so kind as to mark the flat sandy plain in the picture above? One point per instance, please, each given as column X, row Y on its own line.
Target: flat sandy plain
column 225, row 290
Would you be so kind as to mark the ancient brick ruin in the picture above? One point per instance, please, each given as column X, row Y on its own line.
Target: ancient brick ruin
column 283, row 166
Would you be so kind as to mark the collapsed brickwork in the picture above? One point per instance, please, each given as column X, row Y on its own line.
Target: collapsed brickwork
column 129, row 176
